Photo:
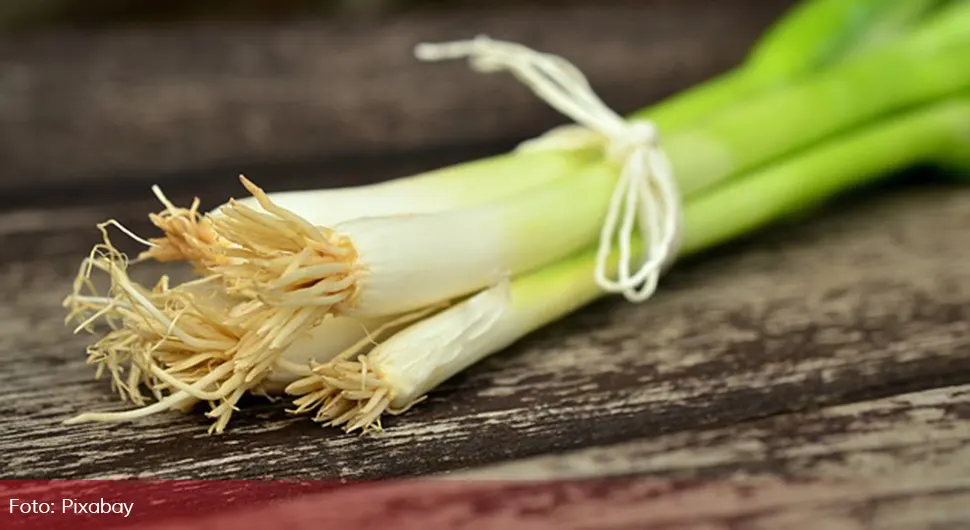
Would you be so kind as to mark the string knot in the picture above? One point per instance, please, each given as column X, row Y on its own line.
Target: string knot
column 645, row 199
column 639, row 134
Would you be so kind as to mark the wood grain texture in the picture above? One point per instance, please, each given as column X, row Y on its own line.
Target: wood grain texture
column 902, row 436
column 928, row 488
column 894, row 463
column 868, row 301
column 936, row 500
column 83, row 106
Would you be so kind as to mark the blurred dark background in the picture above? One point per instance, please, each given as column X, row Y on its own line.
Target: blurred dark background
column 102, row 98
column 32, row 14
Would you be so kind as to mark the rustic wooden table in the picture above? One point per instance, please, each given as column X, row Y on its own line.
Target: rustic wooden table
column 814, row 376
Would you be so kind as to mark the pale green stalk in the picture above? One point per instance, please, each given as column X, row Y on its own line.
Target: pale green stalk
column 950, row 23
column 821, row 33
column 939, row 134
column 752, row 134
column 449, row 188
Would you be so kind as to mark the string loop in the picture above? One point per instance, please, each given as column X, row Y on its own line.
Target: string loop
column 645, row 199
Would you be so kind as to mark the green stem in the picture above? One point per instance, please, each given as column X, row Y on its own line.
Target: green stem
column 926, row 135
column 820, row 33
column 693, row 105
column 755, row 133
column 948, row 24
column 813, row 35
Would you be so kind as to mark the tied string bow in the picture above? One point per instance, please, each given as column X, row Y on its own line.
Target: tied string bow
column 645, row 199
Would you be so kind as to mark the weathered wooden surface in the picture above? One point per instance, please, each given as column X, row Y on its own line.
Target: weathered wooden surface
column 901, row 462
column 862, row 303
column 921, row 434
column 810, row 471
column 77, row 107
column 938, row 501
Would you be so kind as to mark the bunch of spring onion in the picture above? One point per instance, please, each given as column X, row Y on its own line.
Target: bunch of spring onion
column 359, row 301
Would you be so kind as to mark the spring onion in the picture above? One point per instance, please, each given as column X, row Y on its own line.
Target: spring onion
column 297, row 286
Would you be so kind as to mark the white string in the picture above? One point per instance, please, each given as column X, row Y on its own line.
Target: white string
column 646, row 195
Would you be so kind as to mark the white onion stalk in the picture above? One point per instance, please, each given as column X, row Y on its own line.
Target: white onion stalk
column 187, row 230
column 449, row 188
column 299, row 272
column 377, row 266
column 354, row 390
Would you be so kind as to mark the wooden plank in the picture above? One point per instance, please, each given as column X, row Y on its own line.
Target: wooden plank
column 901, row 462
column 82, row 106
column 896, row 463
column 902, row 437
column 935, row 501
column 871, row 300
